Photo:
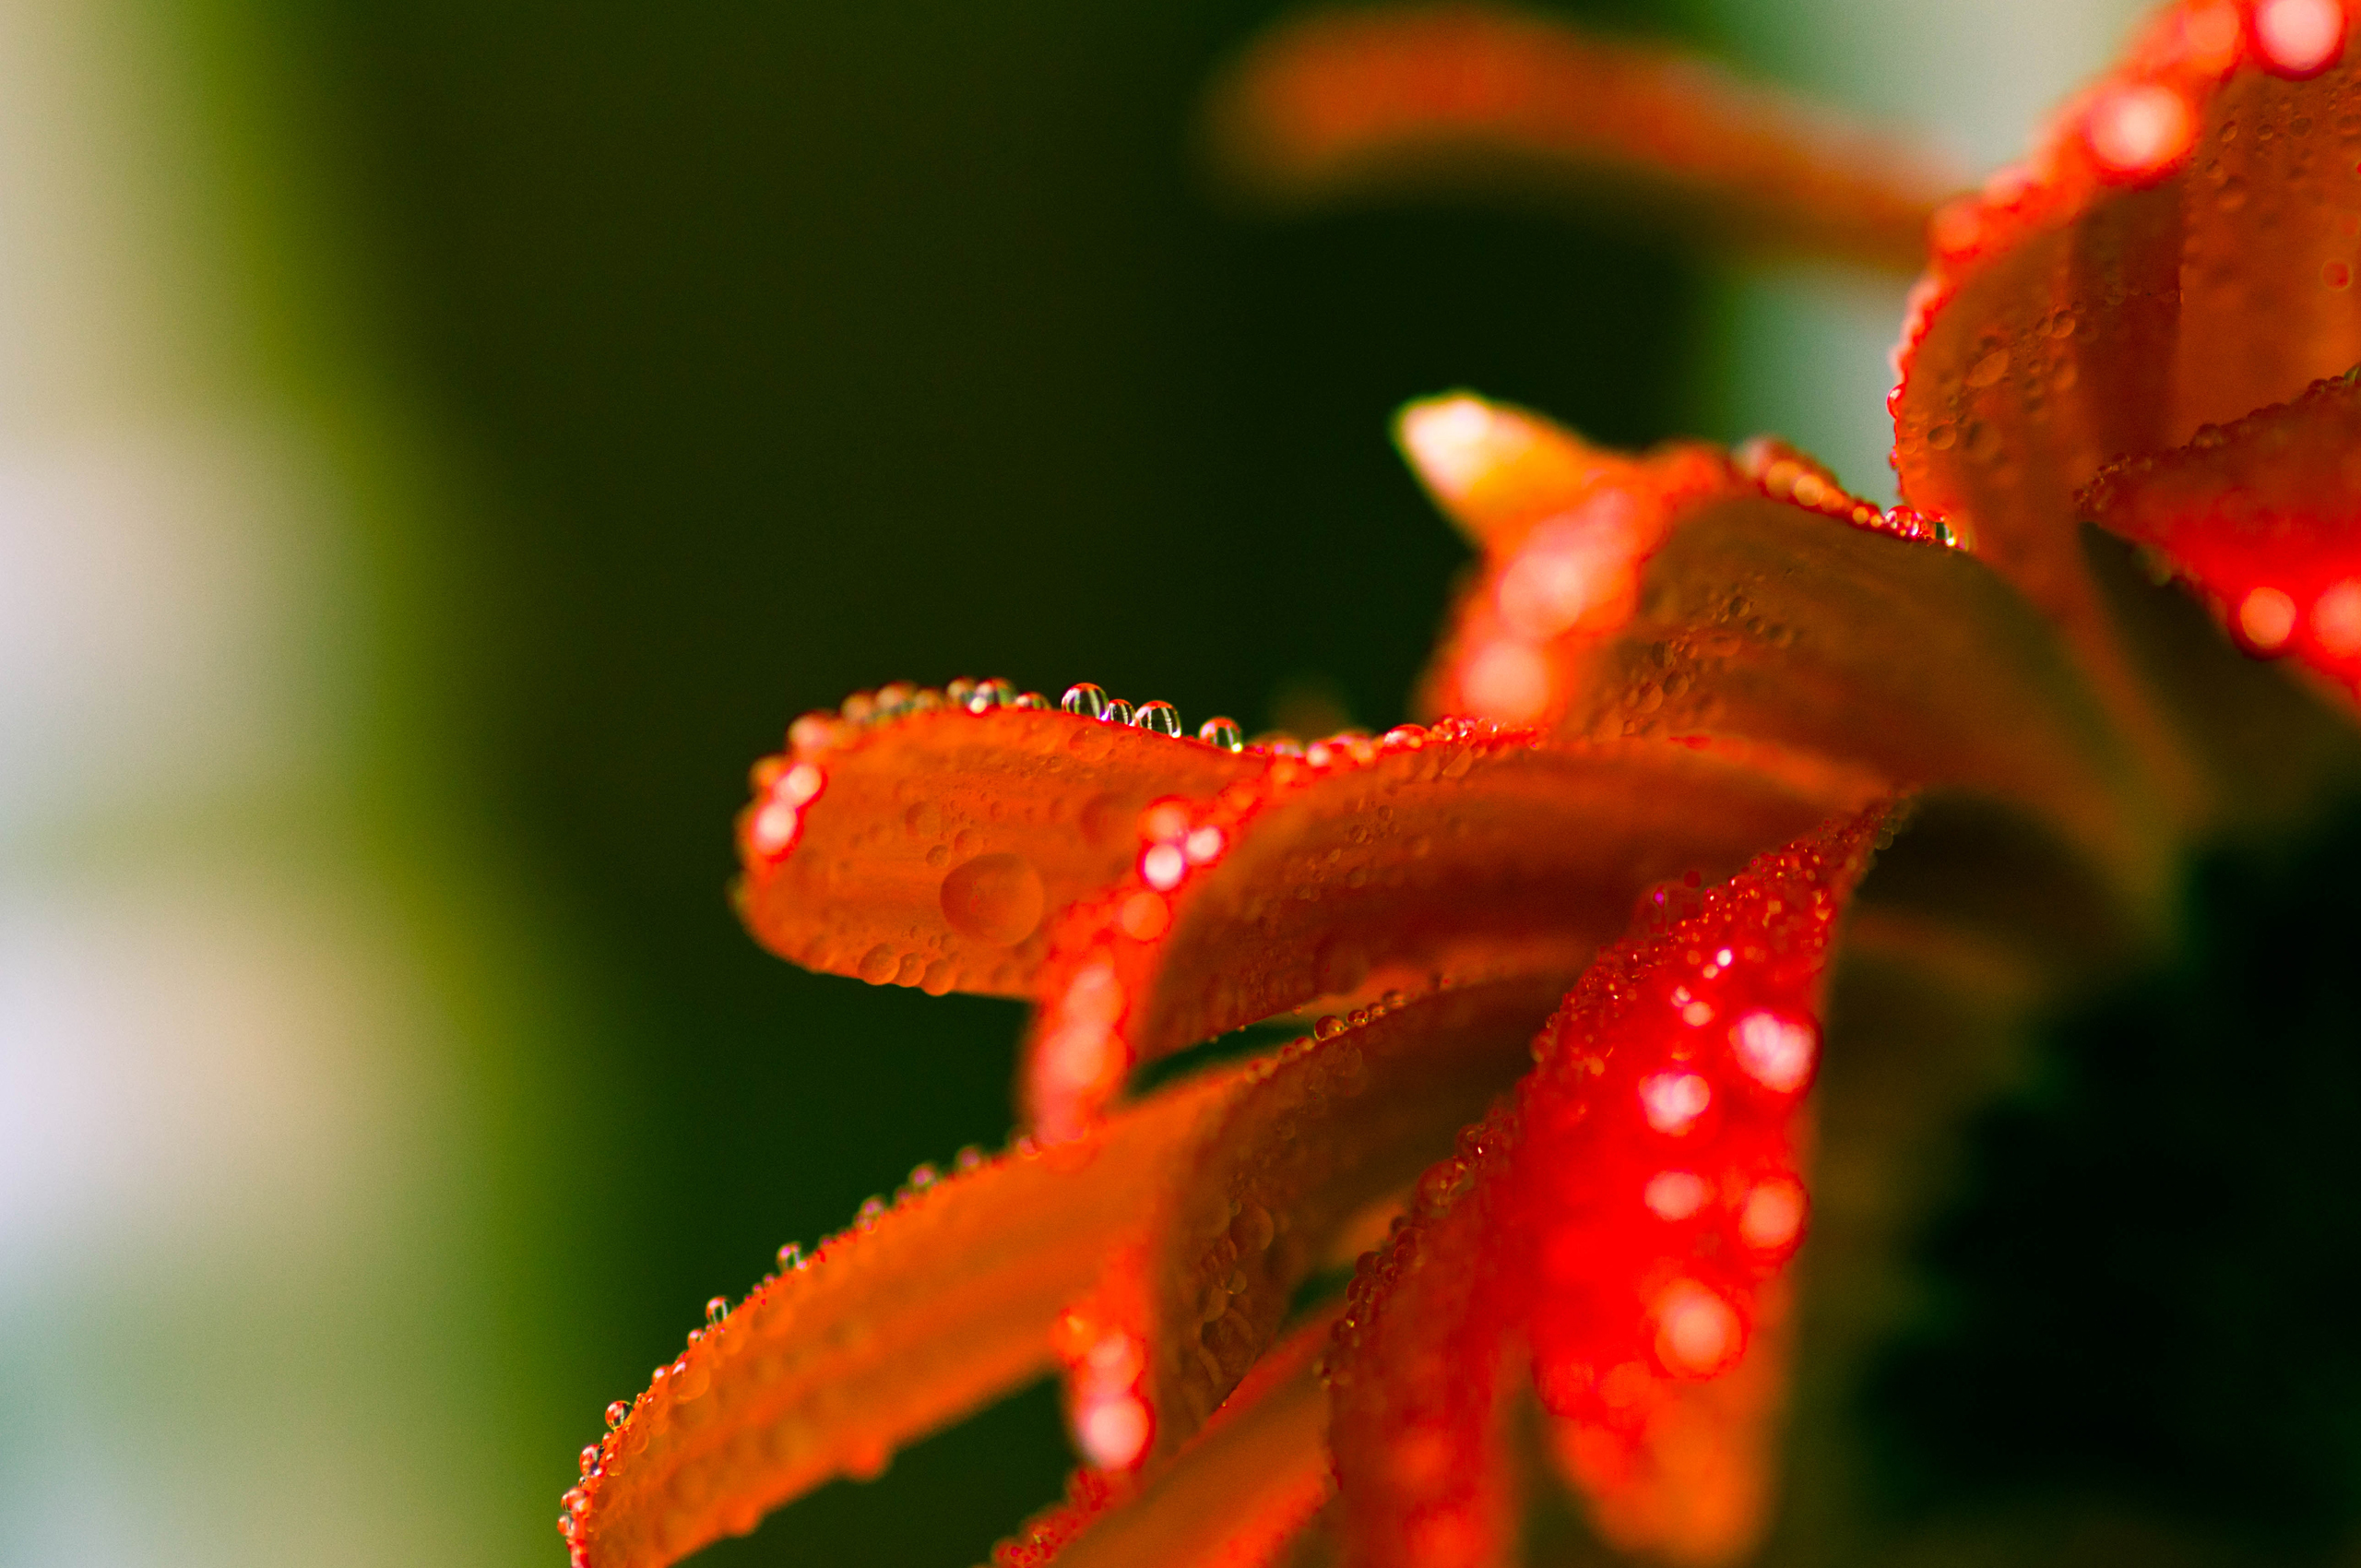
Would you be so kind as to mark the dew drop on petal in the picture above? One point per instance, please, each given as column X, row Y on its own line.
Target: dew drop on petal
column 957, row 693
column 995, row 898
column 1119, row 712
column 1673, row 1101
column 2139, row 130
column 1162, row 867
column 1776, row 1052
column 1030, row 701
column 2266, row 619
column 790, row 1258
column 1697, row 1332
column 1160, row 719
column 617, row 1413
column 1772, row 1214
column 716, row 1309
column 990, row 694
column 1083, row 697
column 1112, row 1432
column 1675, row 1194
column 2299, row 37
column 1224, row 733
column 2336, row 618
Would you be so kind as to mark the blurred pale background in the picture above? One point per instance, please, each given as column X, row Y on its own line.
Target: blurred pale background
column 437, row 451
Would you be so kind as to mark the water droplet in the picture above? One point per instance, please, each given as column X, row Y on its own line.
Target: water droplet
column 1087, row 699
column 872, row 1211
column 990, row 694
column 1328, row 1028
column 1160, row 719
column 589, row 1458
column 893, row 699
column 957, row 693
column 1223, row 732
column 1030, row 700
column 967, row 1159
column 790, row 1258
column 926, row 701
column 617, row 1413
column 1119, row 712
column 857, row 709
column 716, row 1309
column 922, row 1176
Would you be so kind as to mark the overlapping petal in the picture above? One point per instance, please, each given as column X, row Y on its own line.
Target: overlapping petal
column 2263, row 516
column 1625, row 1222
column 1424, row 856
column 2178, row 251
column 1405, row 95
column 1691, row 596
column 829, row 1366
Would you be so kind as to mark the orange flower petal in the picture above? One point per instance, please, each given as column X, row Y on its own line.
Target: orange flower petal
column 2264, row 517
column 1234, row 1497
column 1351, row 101
column 935, row 848
column 2178, row 250
column 1686, row 596
column 1320, row 1131
column 908, row 1322
column 1431, row 855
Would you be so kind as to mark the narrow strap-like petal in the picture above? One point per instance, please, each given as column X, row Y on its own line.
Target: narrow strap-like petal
column 1233, row 1497
column 1330, row 1125
column 1462, row 94
column 1427, row 856
column 1625, row 1222
column 923, row 844
column 2178, row 250
column 913, row 1319
column 1685, row 595
column 2263, row 516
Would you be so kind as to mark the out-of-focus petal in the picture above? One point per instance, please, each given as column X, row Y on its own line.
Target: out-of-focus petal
column 2179, row 250
column 913, row 1319
column 1443, row 855
column 1234, row 1497
column 1320, row 1131
column 1354, row 101
column 1687, row 595
column 2264, row 517
column 935, row 847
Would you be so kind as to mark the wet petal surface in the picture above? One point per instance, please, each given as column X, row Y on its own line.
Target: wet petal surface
column 917, row 1316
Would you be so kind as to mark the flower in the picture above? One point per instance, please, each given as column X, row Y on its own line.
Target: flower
column 1570, row 1147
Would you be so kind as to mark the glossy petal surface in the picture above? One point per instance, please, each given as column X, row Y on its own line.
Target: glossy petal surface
column 1440, row 855
column 2264, row 517
column 935, row 848
column 913, row 1318
column 1460, row 94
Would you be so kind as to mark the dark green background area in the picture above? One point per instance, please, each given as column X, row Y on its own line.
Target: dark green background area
column 792, row 349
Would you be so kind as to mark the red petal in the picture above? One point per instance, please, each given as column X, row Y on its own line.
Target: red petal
column 1420, row 1375
column 1682, row 596
column 2264, row 516
column 1656, row 1195
column 905, row 1323
column 1321, row 1131
column 2178, row 250
column 1453, row 853
column 936, row 847
column 1354, row 99
column 1234, row 1498
column 1627, row 1219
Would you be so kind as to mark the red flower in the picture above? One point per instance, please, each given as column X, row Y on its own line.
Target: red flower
column 1692, row 682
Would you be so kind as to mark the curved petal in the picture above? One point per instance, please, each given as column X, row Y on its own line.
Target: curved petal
column 1627, row 1219
column 2179, row 250
column 1350, row 100
column 1320, row 1132
column 923, row 844
column 1686, row 596
column 913, row 1319
column 1658, row 1194
column 1240, row 1491
column 2264, row 516
column 1448, row 854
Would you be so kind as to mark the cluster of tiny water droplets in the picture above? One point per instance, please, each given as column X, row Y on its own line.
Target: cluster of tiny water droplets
column 1783, row 473
column 1088, row 700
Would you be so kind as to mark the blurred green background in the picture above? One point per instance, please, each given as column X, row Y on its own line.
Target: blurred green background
column 444, row 446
